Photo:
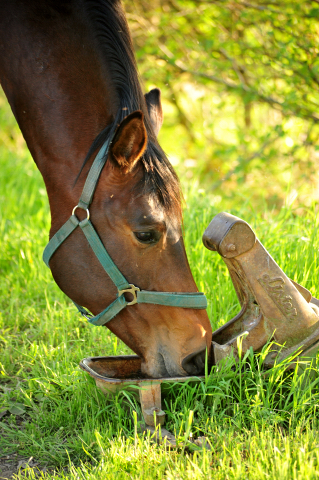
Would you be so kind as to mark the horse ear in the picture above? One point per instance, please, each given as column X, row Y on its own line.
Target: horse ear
column 129, row 142
column 154, row 106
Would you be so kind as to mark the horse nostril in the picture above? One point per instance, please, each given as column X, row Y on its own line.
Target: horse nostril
column 194, row 363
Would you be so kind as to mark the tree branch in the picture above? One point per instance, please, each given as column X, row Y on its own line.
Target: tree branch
column 245, row 89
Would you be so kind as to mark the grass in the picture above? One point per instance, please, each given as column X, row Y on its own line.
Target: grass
column 259, row 425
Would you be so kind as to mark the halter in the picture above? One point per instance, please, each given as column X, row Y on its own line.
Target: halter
column 184, row 300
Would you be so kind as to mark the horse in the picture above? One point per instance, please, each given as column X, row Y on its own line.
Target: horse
column 69, row 72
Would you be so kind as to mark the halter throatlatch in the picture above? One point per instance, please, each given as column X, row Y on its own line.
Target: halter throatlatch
column 183, row 300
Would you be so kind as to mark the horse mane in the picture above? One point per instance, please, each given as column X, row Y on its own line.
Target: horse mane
column 107, row 18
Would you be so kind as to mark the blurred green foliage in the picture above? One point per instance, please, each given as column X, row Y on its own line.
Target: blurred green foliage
column 240, row 84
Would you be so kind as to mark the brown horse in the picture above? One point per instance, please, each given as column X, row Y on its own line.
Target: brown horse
column 69, row 73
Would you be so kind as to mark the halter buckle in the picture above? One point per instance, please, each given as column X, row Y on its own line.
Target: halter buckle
column 87, row 315
column 132, row 291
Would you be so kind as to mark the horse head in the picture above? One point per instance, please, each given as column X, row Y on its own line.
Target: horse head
column 63, row 89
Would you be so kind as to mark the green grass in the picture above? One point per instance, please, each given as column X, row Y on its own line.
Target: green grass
column 259, row 425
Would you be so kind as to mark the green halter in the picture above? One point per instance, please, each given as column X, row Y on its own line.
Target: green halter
column 183, row 300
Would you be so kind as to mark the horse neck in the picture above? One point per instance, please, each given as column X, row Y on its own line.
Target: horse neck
column 59, row 90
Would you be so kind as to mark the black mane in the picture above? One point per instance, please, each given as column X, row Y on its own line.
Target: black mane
column 111, row 29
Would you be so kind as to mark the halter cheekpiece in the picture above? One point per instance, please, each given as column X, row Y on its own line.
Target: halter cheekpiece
column 183, row 300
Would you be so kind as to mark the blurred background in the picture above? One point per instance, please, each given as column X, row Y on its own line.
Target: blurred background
column 240, row 86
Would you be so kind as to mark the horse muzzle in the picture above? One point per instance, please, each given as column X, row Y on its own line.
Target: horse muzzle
column 165, row 365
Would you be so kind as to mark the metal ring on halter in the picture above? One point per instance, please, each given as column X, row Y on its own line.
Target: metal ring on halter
column 86, row 209
column 132, row 290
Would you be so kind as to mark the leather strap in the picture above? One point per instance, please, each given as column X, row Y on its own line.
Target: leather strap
column 93, row 176
column 59, row 238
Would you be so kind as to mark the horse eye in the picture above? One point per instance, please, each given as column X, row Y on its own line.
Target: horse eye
column 146, row 237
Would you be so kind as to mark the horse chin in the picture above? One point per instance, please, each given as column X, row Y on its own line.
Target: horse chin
column 162, row 366
column 154, row 367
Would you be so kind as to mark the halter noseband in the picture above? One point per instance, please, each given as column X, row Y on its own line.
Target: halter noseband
column 183, row 300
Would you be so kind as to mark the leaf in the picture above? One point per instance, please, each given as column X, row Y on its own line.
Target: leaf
column 17, row 409
column 39, row 397
column 314, row 13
